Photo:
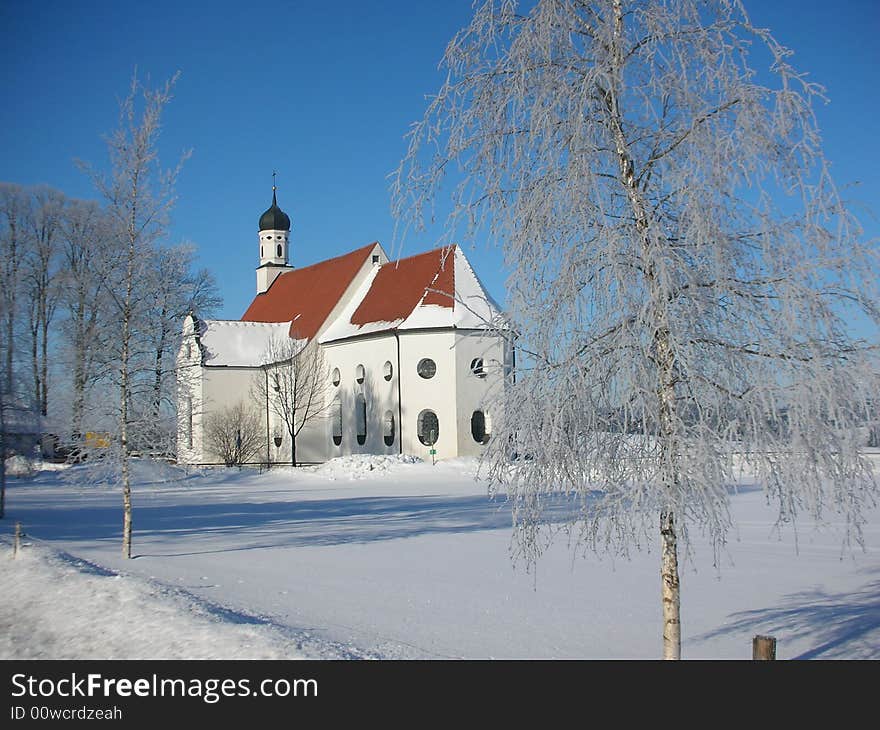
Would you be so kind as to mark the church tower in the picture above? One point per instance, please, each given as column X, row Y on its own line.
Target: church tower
column 274, row 242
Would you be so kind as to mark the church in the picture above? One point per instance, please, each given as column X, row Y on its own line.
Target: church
column 357, row 354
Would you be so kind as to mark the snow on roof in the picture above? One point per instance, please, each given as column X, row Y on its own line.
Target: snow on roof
column 238, row 344
column 435, row 289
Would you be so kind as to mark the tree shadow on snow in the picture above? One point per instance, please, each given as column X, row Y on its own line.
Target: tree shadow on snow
column 221, row 527
column 844, row 625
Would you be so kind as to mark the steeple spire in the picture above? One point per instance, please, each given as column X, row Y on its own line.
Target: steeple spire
column 274, row 239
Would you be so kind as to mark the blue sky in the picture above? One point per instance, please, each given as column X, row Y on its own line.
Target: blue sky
column 323, row 93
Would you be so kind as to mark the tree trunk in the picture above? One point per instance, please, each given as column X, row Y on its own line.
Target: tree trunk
column 44, row 348
column 35, row 363
column 10, row 346
column 2, row 482
column 123, row 440
column 159, row 371
column 78, row 394
column 670, row 588
column 124, row 397
column 2, row 456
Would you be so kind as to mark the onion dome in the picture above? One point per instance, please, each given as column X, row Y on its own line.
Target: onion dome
column 274, row 219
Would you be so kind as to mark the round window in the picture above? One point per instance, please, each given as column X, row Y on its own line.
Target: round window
column 426, row 368
column 477, row 367
column 335, row 377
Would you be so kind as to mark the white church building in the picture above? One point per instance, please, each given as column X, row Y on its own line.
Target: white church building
column 403, row 357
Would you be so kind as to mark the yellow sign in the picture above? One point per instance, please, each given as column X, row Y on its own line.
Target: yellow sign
column 97, row 440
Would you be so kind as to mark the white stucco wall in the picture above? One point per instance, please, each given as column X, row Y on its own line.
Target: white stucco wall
column 189, row 397
column 452, row 394
column 476, row 393
column 436, row 394
column 380, row 394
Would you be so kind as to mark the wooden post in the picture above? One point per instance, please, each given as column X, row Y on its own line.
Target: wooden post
column 16, row 543
column 764, row 647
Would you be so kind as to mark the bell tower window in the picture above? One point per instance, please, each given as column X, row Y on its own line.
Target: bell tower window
column 279, row 251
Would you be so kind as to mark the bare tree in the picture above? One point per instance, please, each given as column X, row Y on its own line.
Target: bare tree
column 235, row 434
column 683, row 270
column 139, row 197
column 293, row 384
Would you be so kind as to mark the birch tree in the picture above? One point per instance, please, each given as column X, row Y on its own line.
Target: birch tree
column 293, row 384
column 139, row 197
column 684, row 275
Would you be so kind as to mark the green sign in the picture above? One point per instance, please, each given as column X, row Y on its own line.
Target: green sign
column 432, row 451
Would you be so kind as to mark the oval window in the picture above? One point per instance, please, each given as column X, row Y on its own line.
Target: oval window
column 360, row 414
column 359, row 373
column 279, row 250
column 426, row 368
column 387, row 370
column 336, row 418
column 388, row 428
column 479, row 427
column 428, row 427
column 335, row 377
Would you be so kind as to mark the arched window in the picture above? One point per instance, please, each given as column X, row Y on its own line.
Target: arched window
column 336, row 418
column 335, row 378
column 387, row 370
column 426, row 368
column 359, row 373
column 261, row 252
column 279, row 250
column 388, row 428
column 479, row 427
column 428, row 428
column 360, row 415
column 477, row 367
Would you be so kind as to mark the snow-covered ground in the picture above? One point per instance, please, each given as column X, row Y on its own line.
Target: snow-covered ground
column 377, row 558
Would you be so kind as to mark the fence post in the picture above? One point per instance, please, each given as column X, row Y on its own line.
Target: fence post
column 16, row 543
column 764, row 647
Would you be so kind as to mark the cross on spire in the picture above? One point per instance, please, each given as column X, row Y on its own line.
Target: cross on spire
column 274, row 173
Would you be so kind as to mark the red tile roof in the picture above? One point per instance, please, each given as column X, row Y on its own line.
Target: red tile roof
column 400, row 285
column 307, row 295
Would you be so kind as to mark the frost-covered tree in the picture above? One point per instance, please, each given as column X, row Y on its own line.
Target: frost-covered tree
column 176, row 288
column 139, row 197
column 16, row 216
column 42, row 282
column 293, row 384
column 89, row 260
column 689, row 294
